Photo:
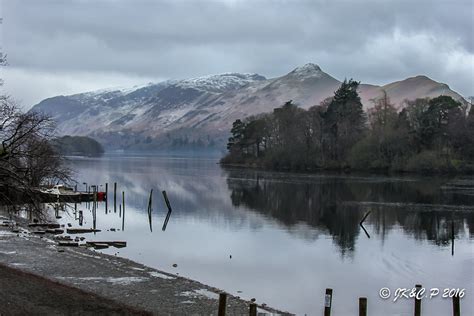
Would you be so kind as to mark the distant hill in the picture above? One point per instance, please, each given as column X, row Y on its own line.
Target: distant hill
column 198, row 112
column 78, row 146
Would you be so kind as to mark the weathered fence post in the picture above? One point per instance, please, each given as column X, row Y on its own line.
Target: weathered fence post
column 456, row 306
column 115, row 197
column 417, row 301
column 123, row 210
column 106, row 197
column 452, row 238
column 362, row 306
column 328, row 302
column 222, row 304
column 253, row 309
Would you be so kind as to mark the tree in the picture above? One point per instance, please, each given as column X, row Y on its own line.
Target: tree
column 345, row 120
column 27, row 158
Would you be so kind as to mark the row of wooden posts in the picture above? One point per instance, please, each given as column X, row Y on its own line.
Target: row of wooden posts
column 223, row 306
column 363, row 304
column 122, row 205
column 328, row 305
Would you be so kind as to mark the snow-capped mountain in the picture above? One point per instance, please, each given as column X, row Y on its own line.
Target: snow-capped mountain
column 200, row 111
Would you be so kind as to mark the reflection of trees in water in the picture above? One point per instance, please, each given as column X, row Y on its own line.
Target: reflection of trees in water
column 336, row 204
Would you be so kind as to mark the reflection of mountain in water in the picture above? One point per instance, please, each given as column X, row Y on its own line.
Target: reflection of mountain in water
column 336, row 204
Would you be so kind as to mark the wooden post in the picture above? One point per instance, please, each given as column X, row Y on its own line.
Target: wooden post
column 115, row 197
column 456, row 306
column 123, row 211
column 452, row 238
column 222, row 304
column 81, row 218
column 328, row 302
column 253, row 309
column 150, row 203
column 362, row 306
column 417, row 301
column 168, row 205
column 106, row 197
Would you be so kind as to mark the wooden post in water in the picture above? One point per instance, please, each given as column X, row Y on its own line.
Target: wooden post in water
column 452, row 238
column 81, row 218
column 253, row 309
column 106, row 197
column 150, row 210
column 123, row 213
column 456, row 306
column 327, row 302
column 115, row 197
column 362, row 306
column 222, row 304
column 94, row 210
column 417, row 301
column 168, row 205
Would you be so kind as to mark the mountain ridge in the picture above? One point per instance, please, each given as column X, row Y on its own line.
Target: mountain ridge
column 198, row 112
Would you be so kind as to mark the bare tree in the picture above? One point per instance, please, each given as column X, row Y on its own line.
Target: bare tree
column 27, row 158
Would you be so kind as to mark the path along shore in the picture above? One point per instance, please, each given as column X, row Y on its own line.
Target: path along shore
column 51, row 280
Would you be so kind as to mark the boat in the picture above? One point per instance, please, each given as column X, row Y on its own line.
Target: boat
column 64, row 193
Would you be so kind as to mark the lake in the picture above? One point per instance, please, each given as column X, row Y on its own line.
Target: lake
column 284, row 238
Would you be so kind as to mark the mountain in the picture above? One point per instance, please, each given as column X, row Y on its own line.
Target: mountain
column 199, row 112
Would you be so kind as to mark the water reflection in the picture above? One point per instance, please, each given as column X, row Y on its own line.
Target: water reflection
column 284, row 238
column 336, row 204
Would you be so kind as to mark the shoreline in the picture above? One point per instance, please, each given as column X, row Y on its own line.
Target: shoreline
column 347, row 171
column 113, row 278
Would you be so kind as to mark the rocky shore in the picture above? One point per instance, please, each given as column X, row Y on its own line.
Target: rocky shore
column 120, row 285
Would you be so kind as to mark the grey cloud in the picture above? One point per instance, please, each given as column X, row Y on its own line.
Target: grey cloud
column 175, row 39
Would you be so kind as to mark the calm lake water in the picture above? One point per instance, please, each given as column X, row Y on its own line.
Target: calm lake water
column 291, row 236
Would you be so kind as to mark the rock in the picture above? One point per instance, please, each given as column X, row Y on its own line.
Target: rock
column 69, row 225
column 230, row 256
column 175, row 265
column 60, row 250
column 82, row 238
column 253, row 300
column 112, row 229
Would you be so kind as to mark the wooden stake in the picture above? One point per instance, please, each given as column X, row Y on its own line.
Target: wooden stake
column 106, row 197
column 456, row 306
column 253, row 309
column 328, row 302
column 362, row 306
column 222, row 304
column 115, row 197
column 123, row 213
column 417, row 301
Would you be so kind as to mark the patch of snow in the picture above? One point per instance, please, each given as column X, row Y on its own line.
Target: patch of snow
column 115, row 281
column 219, row 83
column 6, row 233
column 207, row 293
column 161, row 275
column 138, row 269
column 201, row 292
column 8, row 252
column 308, row 71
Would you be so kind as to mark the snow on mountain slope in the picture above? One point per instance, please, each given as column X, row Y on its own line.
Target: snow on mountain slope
column 200, row 111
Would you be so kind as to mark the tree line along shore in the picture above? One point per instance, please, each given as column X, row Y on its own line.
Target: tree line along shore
column 426, row 136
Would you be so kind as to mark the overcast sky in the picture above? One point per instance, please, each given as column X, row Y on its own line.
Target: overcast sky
column 65, row 47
